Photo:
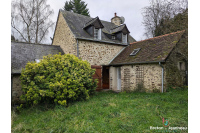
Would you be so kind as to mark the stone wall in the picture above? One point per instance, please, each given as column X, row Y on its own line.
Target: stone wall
column 64, row 37
column 174, row 75
column 16, row 89
column 131, row 75
column 97, row 53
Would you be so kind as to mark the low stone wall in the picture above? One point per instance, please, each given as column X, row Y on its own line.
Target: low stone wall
column 16, row 89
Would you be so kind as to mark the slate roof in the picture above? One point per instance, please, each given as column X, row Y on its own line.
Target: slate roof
column 77, row 22
column 155, row 49
column 117, row 29
column 21, row 53
column 90, row 22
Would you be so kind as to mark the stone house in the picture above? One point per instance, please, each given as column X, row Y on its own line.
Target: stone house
column 121, row 63
column 92, row 39
column 22, row 53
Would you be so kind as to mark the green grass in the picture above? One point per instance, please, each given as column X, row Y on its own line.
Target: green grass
column 107, row 112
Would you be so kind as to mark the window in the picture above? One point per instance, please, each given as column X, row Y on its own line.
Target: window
column 181, row 65
column 37, row 60
column 97, row 33
column 113, row 37
column 124, row 38
column 135, row 51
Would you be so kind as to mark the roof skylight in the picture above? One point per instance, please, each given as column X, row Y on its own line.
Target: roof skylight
column 135, row 51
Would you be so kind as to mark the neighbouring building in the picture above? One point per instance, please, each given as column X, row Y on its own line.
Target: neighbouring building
column 22, row 53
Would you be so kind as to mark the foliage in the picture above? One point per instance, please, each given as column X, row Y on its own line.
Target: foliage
column 140, row 87
column 158, row 11
column 77, row 6
column 57, row 79
column 155, row 90
column 12, row 38
column 182, row 88
column 30, row 19
column 109, row 112
column 177, row 23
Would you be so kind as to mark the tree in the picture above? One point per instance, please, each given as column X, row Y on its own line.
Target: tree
column 159, row 13
column 31, row 20
column 12, row 38
column 58, row 79
column 77, row 6
column 177, row 23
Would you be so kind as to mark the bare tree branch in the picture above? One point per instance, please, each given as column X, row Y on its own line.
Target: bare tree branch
column 30, row 19
column 159, row 10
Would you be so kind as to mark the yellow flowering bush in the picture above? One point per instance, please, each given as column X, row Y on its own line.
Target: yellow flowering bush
column 57, row 79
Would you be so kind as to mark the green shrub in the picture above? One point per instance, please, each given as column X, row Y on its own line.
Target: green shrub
column 171, row 88
column 57, row 79
column 155, row 90
column 140, row 87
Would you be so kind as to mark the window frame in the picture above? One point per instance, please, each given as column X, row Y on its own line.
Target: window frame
column 97, row 33
column 124, row 38
column 181, row 65
column 135, row 51
column 113, row 37
column 37, row 60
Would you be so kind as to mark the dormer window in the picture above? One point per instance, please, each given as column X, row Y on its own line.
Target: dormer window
column 93, row 28
column 37, row 60
column 97, row 33
column 113, row 37
column 124, row 38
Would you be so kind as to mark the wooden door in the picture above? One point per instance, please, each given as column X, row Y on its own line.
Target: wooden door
column 98, row 76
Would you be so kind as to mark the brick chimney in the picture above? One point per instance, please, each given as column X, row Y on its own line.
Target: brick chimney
column 116, row 20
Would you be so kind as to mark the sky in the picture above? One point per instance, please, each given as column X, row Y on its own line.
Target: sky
column 131, row 10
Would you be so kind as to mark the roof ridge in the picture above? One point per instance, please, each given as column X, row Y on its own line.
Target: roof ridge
column 74, row 13
column 86, row 16
column 159, row 36
column 35, row 44
column 91, row 20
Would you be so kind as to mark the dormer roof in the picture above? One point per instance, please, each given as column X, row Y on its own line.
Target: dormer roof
column 94, row 22
column 121, row 28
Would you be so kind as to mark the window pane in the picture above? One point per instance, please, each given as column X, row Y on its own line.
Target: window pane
column 124, row 38
column 95, row 33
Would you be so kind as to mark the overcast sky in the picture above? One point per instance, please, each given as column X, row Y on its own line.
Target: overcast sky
column 131, row 10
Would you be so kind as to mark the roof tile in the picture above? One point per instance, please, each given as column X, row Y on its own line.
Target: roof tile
column 77, row 22
column 21, row 53
column 154, row 49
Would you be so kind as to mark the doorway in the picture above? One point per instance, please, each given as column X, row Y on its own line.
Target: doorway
column 105, row 77
column 118, row 78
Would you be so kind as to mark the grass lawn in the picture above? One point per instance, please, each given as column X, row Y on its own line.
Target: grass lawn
column 108, row 112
